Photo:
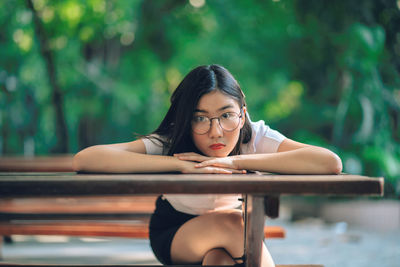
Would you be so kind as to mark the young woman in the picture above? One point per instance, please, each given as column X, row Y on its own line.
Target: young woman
column 206, row 130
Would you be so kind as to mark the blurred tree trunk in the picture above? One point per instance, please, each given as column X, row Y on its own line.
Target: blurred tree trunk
column 151, row 35
column 152, row 27
column 4, row 118
column 57, row 96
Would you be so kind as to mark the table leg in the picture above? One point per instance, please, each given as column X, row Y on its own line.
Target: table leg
column 271, row 204
column 255, row 220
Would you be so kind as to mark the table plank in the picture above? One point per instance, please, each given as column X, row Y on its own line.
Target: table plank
column 71, row 184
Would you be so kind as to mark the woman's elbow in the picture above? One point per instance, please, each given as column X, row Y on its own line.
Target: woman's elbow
column 77, row 162
column 87, row 159
column 335, row 165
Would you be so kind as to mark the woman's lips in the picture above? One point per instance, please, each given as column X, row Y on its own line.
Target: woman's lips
column 217, row 146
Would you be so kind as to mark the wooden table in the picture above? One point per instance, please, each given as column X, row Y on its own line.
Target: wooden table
column 262, row 191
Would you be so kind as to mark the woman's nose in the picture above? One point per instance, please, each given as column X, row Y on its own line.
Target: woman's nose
column 215, row 129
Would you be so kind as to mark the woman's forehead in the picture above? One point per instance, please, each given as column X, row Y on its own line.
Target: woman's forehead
column 216, row 101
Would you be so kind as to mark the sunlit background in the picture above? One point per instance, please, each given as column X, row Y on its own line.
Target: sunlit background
column 78, row 73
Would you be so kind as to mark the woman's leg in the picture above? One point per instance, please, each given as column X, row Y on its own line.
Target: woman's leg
column 218, row 230
column 266, row 259
column 223, row 229
column 219, row 256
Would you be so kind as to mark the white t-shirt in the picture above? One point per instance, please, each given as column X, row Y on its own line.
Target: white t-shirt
column 263, row 140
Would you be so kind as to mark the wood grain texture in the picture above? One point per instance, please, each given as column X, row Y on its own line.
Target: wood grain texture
column 88, row 205
column 71, row 184
column 254, row 226
column 75, row 216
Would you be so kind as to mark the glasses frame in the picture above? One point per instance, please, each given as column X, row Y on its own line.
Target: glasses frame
column 240, row 115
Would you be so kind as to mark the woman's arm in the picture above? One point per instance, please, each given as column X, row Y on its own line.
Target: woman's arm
column 122, row 158
column 131, row 157
column 291, row 158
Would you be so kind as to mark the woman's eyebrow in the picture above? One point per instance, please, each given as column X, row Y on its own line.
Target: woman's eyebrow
column 220, row 109
column 226, row 107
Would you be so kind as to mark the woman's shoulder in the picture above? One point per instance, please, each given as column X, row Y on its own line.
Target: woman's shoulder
column 154, row 144
column 260, row 129
column 264, row 139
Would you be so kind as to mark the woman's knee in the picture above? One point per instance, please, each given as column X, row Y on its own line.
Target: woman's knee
column 208, row 232
column 217, row 256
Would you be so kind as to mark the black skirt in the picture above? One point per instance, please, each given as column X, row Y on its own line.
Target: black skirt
column 164, row 224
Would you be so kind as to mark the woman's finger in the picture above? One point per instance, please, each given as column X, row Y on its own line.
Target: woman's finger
column 239, row 171
column 207, row 163
column 222, row 170
column 218, row 170
column 215, row 163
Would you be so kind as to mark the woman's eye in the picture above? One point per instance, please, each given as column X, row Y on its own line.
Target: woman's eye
column 226, row 115
column 199, row 119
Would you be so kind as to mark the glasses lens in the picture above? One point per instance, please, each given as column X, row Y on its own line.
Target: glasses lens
column 229, row 121
column 200, row 124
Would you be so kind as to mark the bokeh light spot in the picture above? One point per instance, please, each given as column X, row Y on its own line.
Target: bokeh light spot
column 197, row 3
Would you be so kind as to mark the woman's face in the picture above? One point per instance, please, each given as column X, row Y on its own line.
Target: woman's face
column 216, row 142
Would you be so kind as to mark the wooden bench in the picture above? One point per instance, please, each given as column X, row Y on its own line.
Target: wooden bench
column 124, row 217
column 119, row 216
column 85, row 216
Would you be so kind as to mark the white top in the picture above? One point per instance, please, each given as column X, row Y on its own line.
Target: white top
column 263, row 140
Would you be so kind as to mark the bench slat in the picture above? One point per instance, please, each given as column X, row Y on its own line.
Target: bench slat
column 106, row 204
column 139, row 230
column 134, row 229
column 43, row 216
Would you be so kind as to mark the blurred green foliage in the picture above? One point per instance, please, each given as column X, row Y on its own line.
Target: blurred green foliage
column 78, row 73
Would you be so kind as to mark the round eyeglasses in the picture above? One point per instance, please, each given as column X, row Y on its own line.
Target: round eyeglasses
column 228, row 121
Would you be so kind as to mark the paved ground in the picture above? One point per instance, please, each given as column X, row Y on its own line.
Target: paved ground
column 309, row 241
column 336, row 245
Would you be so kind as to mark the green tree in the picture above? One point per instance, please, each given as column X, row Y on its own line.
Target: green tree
column 78, row 73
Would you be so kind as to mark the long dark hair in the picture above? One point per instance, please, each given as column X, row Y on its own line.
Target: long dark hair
column 176, row 127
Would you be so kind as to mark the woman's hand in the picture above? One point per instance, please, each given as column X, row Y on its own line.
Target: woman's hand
column 191, row 156
column 208, row 164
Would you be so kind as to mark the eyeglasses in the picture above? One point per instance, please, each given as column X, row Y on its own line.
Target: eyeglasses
column 228, row 121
